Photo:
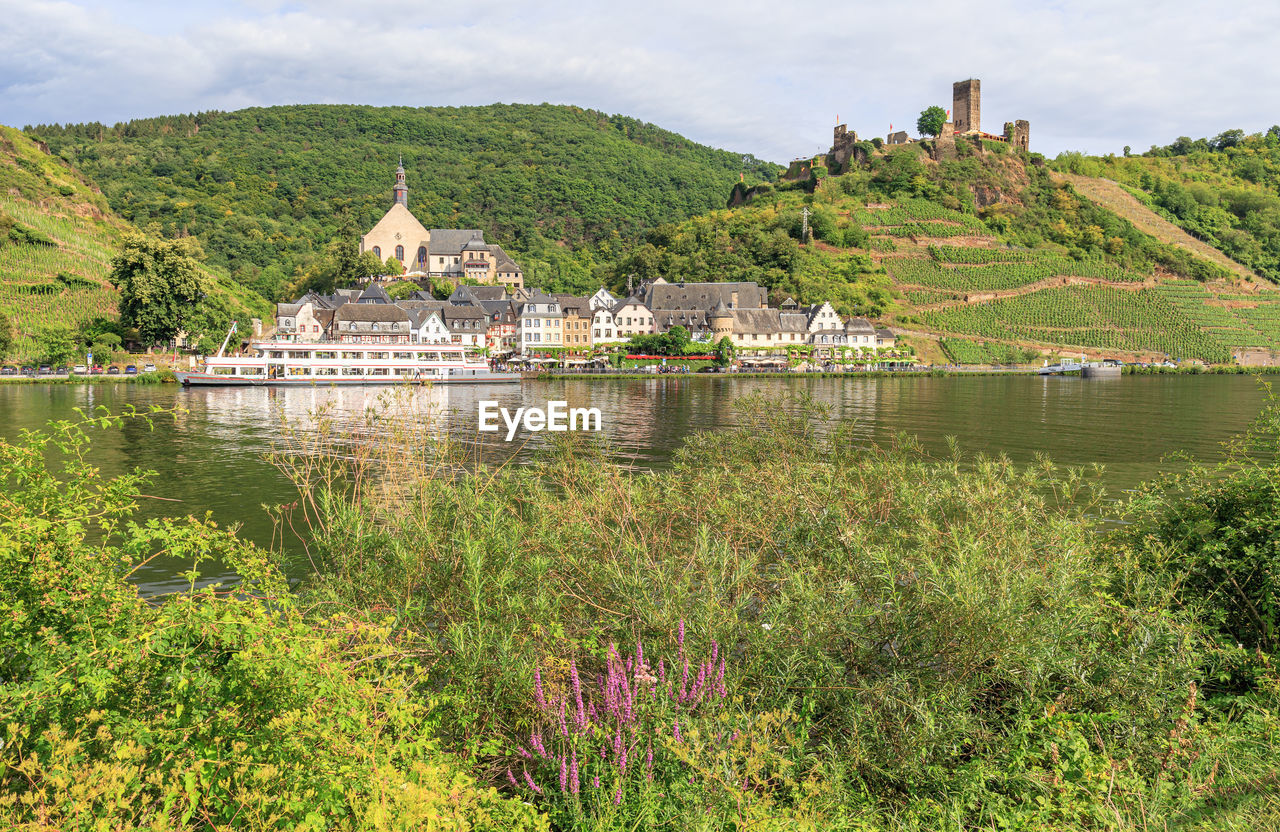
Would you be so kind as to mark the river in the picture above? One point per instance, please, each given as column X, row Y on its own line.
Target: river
column 211, row 457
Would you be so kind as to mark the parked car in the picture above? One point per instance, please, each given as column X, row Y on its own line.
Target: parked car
column 45, row 370
column 8, row 371
column 29, row 371
column 59, row 371
column 79, row 369
column 96, row 371
column 113, row 370
column 131, row 370
column 148, row 368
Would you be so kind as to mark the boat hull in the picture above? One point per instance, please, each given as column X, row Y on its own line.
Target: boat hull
column 189, row 378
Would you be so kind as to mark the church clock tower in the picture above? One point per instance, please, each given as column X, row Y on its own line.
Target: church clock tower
column 401, row 190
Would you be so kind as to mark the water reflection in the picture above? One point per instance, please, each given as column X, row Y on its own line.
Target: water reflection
column 212, row 456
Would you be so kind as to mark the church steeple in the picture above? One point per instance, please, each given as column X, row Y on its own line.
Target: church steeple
column 401, row 190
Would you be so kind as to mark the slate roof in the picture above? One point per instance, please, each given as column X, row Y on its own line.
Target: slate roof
column 451, row 241
column 792, row 321
column 374, row 294
column 859, row 325
column 756, row 320
column 370, row 312
column 702, row 295
column 502, row 261
column 475, row 294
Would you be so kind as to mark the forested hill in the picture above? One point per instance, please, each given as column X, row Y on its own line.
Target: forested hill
column 265, row 188
column 57, row 239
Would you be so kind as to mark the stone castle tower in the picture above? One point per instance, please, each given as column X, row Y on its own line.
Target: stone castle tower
column 966, row 106
column 401, row 190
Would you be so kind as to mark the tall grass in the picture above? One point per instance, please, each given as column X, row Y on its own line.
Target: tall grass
column 910, row 642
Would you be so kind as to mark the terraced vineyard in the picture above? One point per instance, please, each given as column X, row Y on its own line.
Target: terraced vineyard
column 1101, row 318
column 62, row 280
column 931, row 274
column 965, row 351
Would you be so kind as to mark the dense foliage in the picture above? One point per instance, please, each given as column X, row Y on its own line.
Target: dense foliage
column 1221, row 190
column 263, row 188
column 211, row 709
column 841, row 639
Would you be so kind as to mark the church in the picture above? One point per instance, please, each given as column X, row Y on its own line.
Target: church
column 438, row 252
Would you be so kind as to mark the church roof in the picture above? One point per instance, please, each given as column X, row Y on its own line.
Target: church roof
column 399, row 218
column 502, row 261
column 476, row 243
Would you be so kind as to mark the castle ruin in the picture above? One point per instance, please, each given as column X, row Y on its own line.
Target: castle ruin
column 966, row 120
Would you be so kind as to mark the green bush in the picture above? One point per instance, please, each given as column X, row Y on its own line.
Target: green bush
column 216, row 707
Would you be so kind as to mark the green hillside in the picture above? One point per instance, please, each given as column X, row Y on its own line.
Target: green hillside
column 265, row 189
column 57, row 238
column 982, row 250
column 1222, row 191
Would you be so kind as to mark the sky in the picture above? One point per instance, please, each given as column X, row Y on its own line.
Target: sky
column 764, row 78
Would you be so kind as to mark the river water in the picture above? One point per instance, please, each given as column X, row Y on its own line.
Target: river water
column 210, row 458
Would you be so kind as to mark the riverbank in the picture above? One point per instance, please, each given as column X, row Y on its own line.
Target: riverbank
column 159, row 377
column 934, row 372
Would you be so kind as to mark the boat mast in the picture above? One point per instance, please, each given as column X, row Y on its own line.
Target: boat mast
column 223, row 348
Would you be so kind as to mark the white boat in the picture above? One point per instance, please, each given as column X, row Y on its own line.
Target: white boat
column 1067, row 366
column 289, row 363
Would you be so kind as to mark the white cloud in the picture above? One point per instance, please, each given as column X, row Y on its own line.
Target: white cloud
column 750, row 76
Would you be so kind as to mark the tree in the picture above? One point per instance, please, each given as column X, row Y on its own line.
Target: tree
column 931, row 121
column 1227, row 138
column 1127, row 151
column 160, row 285
column 55, row 344
column 724, row 351
column 393, row 267
column 370, row 265
column 6, row 336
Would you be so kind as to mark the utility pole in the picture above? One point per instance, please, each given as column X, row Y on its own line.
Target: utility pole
column 804, row 226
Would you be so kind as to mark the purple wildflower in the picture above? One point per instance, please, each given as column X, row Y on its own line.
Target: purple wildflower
column 512, row 778
column 537, row 689
column 573, row 772
column 720, row 679
column 564, row 776
column 564, row 729
column 648, row 762
column 617, row 797
column 639, row 655
column 622, row 763
column 680, row 639
column 715, row 650
column 662, row 672
column 579, row 715
column 675, row 731
column 595, row 782
column 531, row 784
column 535, row 740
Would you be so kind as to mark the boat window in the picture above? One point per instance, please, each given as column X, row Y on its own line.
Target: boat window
column 277, row 354
column 250, row 371
column 353, row 371
column 326, row 371
column 224, row 371
column 298, row 371
column 378, row 371
column 300, row 353
column 403, row 356
column 428, row 356
column 377, row 356
column 353, row 355
column 326, row 354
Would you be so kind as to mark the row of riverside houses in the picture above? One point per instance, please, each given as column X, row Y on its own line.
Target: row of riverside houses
column 530, row 323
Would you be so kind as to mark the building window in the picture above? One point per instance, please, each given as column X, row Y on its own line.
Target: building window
column 422, row 254
column 400, row 253
column 377, row 252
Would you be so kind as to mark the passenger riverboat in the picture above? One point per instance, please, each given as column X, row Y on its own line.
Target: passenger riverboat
column 290, row 363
